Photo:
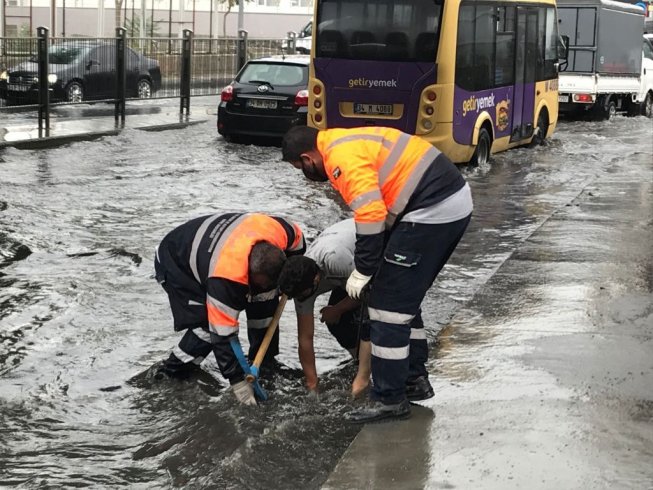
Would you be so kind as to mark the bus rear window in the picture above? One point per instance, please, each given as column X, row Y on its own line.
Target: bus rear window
column 381, row 30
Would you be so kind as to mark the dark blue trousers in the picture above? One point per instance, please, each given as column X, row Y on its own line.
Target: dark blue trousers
column 414, row 255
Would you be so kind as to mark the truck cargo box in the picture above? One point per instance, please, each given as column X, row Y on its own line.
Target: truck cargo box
column 605, row 36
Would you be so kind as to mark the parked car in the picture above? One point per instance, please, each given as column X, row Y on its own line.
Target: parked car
column 267, row 97
column 82, row 70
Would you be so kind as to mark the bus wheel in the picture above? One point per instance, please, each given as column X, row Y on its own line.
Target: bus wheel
column 482, row 153
column 542, row 127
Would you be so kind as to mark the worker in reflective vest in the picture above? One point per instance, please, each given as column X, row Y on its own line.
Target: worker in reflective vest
column 411, row 207
column 214, row 267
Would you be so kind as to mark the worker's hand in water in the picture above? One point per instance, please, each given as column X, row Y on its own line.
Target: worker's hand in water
column 356, row 283
column 330, row 315
column 244, row 392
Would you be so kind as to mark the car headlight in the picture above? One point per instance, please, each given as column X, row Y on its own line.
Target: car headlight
column 3, row 75
column 52, row 78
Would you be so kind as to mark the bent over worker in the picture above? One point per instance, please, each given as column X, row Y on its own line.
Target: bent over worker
column 411, row 207
column 214, row 267
column 325, row 267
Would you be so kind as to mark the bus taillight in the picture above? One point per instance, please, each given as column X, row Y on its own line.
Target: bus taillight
column 431, row 96
column 429, row 111
column 317, row 104
column 301, row 98
column 317, row 90
column 318, row 117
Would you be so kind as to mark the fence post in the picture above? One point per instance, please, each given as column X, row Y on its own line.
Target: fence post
column 119, row 111
column 186, row 53
column 242, row 48
column 292, row 42
column 43, row 69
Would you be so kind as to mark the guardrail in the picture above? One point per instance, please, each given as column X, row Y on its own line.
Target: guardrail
column 82, row 70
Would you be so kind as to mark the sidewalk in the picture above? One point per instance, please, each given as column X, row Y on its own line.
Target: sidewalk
column 545, row 379
column 85, row 122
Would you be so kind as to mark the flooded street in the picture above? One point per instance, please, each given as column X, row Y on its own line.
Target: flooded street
column 82, row 320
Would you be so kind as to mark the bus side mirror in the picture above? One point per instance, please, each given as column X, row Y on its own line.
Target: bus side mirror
column 563, row 48
column 563, row 52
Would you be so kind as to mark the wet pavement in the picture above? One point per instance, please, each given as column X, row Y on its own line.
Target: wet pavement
column 541, row 324
column 83, row 122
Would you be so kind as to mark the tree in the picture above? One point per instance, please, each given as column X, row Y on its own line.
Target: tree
column 230, row 5
column 133, row 27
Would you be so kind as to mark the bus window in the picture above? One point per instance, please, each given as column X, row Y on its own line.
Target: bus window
column 378, row 30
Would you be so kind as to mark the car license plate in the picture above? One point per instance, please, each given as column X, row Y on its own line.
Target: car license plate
column 373, row 109
column 262, row 104
column 18, row 88
column 563, row 98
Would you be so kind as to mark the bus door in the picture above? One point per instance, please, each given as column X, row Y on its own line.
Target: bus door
column 525, row 68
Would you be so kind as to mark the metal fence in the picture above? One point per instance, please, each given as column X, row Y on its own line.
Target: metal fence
column 82, row 70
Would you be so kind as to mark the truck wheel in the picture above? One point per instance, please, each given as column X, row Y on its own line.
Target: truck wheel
column 647, row 106
column 611, row 110
column 482, row 153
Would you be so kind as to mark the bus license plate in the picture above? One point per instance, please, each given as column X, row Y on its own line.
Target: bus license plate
column 262, row 104
column 17, row 88
column 563, row 98
column 373, row 109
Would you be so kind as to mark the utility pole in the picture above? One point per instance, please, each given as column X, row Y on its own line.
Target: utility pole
column 100, row 19
column 241, row 15
column 53, row 16
column 2, row 23
column 63, row 19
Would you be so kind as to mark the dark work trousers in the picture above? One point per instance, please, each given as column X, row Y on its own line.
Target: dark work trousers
column 352, row 326
column 187, row 300
column 414, row 255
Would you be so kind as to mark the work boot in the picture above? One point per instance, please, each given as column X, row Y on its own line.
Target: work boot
column 377, row 412
column 419, row 389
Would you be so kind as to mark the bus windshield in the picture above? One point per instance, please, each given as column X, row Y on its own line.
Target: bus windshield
column 379, row 30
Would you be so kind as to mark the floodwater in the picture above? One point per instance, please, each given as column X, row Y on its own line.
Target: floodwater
column 82, row 321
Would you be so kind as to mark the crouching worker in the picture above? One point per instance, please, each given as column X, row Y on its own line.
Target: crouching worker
column 212, row 268
column 328, row 263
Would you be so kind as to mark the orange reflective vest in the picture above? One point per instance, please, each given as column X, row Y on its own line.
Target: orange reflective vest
column 383, row 173
column 229, row 262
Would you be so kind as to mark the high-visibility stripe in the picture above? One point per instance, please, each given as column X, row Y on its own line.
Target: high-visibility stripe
column 156, row 253
column 394, row 156
column 266, row 296
column 390, row 316
column 222, row 238
column 365, row 198
column 202, row 334
column 228, row 310
column 258, row 323
column 182, row 356
column 196, row 244
column 359, row 137
column 370, row 228
column 223, row 330
column 298, row 244
column 417, row 334
column 391, row 353
column 413, row 180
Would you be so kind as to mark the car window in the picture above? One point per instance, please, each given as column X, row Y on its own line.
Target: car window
column 63, row 55
column 274, row 73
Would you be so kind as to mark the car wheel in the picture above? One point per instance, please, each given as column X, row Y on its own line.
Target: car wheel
column 483, row 148
column 74, row 92
column 144, row 89
column 647, row 107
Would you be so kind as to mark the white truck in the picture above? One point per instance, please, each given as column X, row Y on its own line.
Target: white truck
column 302, row 39
column 610, row 64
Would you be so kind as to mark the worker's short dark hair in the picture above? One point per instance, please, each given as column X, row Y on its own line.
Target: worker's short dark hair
column 267, row 259
column 298, row 275
column 298, row 140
